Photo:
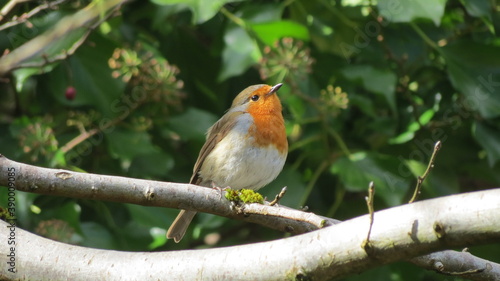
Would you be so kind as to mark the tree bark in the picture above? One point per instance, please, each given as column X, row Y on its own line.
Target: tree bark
column 399, row 233
column 154, row 193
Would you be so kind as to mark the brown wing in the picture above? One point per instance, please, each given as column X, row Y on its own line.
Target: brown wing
column 214, row 135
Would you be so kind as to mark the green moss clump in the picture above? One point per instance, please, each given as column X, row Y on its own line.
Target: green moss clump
column 232, row 195
column 244, row 195
column 250, row 196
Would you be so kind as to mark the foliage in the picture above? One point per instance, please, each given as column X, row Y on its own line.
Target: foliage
column 369, row 87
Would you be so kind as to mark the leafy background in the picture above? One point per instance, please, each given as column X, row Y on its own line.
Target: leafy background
column 369, row 87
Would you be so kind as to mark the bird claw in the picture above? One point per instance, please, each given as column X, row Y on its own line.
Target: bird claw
column 219, row 189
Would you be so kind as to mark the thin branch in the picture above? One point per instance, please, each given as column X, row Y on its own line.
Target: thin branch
column 69, row 52
column 238, row 21
column 278, row 197
column 24, row 17
column 424, row 36
column 283, row 212
column 9, row 6
column 462, row 264
column 36, row 47
column 369, row 202
column 421, row 179
column 84, row 135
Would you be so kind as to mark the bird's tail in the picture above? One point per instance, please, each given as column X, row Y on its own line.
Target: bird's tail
column 180, row 225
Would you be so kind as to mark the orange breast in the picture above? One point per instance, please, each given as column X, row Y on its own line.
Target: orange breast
column 269, row 127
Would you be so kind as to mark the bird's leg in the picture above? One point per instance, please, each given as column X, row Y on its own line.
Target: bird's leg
column 214, row 186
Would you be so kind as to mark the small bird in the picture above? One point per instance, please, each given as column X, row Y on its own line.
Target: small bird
column 245, row 149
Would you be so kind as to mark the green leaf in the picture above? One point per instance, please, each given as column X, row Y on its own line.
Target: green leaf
column 127, row 144
column 408, row 10
column 489, row 139
column 88, row 72
column 159, row 237
column 241, row 50
column 270, row 32
column 474, row 71
column 203, row 10
column 23, row 201
column 297, row 107
column 68, row 212
column 22, row 76
column 478, row 8
column 408, row 135
column 151, row 165
column 402, row 138
column 381, row 82
column 96, row 236
column 150, row 216
column 426, row 117
column 199, row 121
column 357, row 171
column 364, row 103
column 240, row 53
column 54, row 48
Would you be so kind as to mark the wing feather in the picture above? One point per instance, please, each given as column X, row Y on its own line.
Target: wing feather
column 214, row 135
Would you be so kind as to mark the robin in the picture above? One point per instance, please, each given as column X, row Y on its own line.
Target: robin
column 245, row 149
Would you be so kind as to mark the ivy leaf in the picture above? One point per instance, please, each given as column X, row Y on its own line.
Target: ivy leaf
column 202, row 10
column 240, row 53
column 241, row 50
column 127, row 144
column 270, row 32
column 489, row 139
column 357, row 171
column 381, row 82
column 474, row 70
column 408, row 10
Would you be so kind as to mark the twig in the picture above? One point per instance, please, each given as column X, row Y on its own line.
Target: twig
column 66, row 53
column 456, row 263
column 9, row 6
column 369, row 202
column 278, row 197
column 421, row 179
column 84, row 135
column 35, row 48
column 424, row 36
column 284, row 212
column 24, row 17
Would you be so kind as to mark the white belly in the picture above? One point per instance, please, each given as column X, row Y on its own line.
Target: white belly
column 241, row 165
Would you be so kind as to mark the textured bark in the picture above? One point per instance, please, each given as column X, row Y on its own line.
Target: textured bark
column 399, row 233
column 460, row 264
column 330, row 253
column 154, row 193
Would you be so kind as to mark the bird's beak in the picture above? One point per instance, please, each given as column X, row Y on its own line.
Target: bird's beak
column 274, row 89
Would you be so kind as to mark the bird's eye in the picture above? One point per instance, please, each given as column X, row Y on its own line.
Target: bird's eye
column 255, row 97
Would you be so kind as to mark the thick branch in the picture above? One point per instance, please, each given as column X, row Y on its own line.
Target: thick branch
column 334, row 252
column 154, row 193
